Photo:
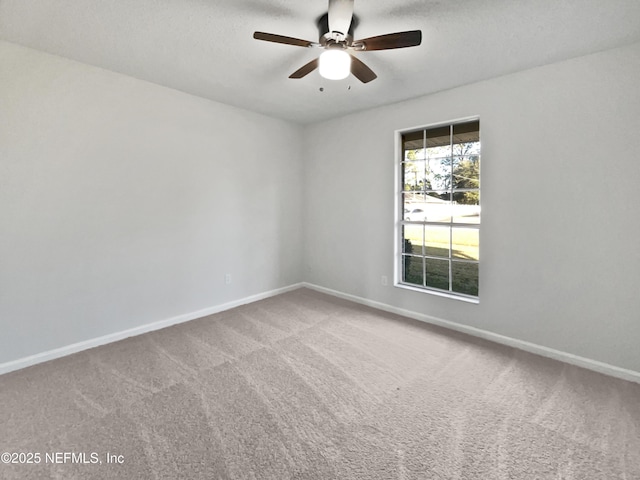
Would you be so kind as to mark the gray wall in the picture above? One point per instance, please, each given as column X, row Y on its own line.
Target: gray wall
column 560, row 262
column 124, row 203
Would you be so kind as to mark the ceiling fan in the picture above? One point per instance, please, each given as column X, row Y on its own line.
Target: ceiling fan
column 336, row 37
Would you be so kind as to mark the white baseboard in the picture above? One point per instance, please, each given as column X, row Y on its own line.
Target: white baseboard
column 569, row 358
column 583, row 362
column 132, row 332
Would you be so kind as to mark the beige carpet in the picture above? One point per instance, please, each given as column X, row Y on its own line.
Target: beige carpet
column 304, row 386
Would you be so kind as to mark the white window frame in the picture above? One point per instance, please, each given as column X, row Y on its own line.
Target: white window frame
column 399, row 215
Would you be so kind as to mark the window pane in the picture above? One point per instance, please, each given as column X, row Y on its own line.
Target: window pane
column 413, row 175
column 412, row 197
column 412, row 239
column 465, row 277
column 412, row 270
column 437, row 241
column 437, row 273
column 466, row 138
column 431, row 207
column 413, row 140
column 438, row 138
column 466, row 148
column 438, row 207
column 413, row 207
column 415, row 155
column 465, row 243
column 438, row 174
column 466, row 208
column 466, row 172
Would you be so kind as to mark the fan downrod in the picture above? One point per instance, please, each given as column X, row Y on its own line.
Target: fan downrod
column 327, row 37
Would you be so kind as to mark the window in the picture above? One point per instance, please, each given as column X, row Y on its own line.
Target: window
column 439, row 209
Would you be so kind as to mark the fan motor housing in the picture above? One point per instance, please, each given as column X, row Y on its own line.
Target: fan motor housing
column 326, row 37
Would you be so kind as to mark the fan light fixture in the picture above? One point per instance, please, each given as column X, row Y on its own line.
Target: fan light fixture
column 336, row 38
column 334, row 64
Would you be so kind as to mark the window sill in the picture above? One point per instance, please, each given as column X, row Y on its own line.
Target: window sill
column 438, row 293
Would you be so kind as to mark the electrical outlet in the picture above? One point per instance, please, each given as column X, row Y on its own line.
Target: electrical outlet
column 384, row 280
column 227, row 278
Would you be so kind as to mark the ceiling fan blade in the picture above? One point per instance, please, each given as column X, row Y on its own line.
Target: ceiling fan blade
column 361, row 71
column 391, row 40
column 272, row 37
column 340, row 15
column 305, row 70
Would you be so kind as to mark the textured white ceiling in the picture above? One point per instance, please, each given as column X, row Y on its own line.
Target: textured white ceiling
column 205, row 47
